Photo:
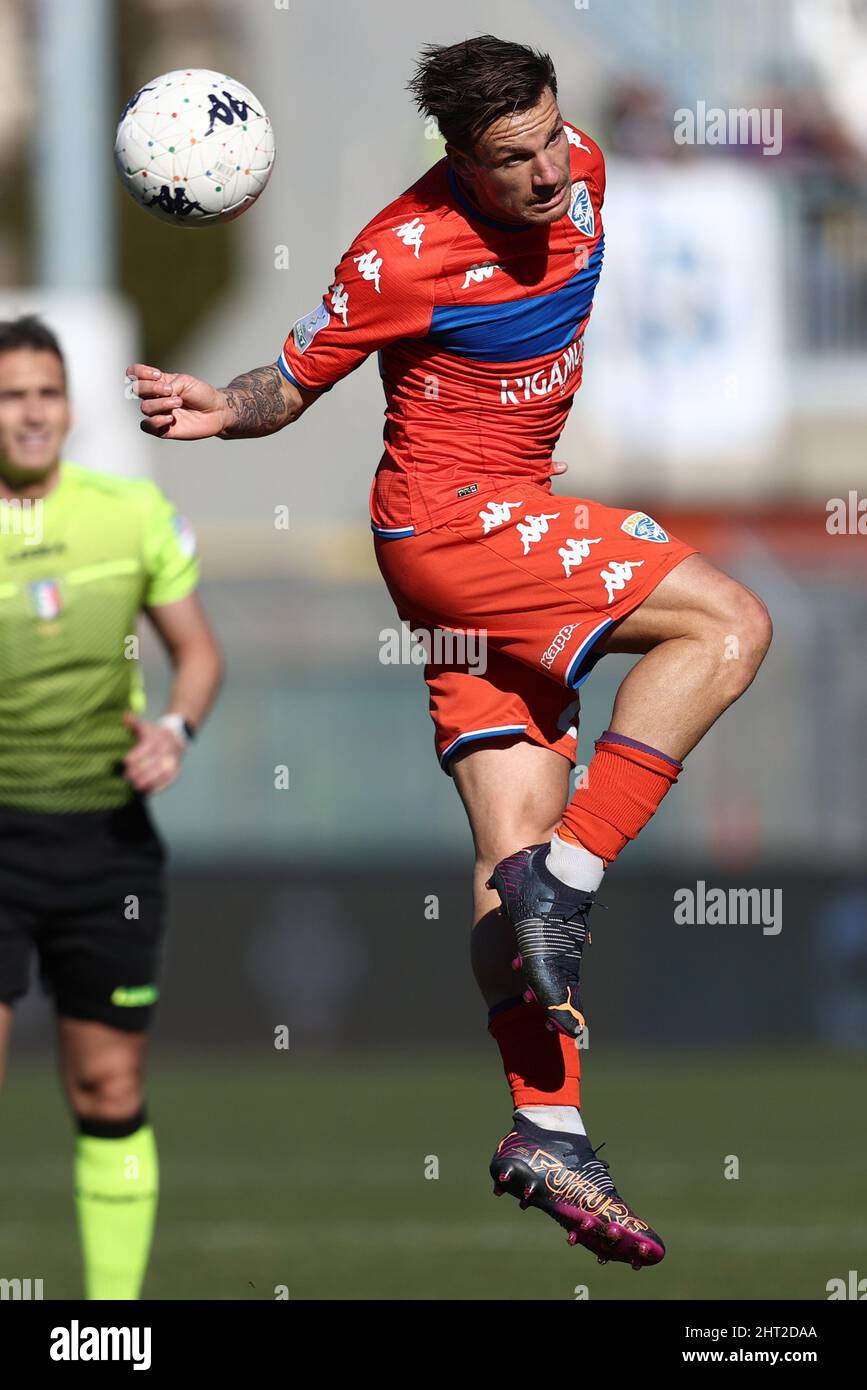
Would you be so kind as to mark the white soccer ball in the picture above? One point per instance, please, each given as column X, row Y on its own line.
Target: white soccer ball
column 194, row 148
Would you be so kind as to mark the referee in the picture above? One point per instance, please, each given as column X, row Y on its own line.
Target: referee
column 81, row 866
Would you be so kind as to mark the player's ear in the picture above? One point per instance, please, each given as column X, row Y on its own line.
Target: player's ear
column 459, row 159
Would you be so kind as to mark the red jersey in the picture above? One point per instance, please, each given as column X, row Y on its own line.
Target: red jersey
column 479, row 328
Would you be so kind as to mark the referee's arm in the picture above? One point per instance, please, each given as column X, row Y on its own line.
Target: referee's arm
column 196, row 659
column 197, row 662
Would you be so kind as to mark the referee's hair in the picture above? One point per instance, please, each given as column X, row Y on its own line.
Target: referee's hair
column 467, row 86
column 29, row 331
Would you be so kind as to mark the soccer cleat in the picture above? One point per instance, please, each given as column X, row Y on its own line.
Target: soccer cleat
column 550, row 921
column 561, row 1175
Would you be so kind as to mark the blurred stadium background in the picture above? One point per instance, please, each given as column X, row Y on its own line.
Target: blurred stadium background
column 724, row 393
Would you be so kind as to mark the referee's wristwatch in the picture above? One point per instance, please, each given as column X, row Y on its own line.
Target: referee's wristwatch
column 182, row 729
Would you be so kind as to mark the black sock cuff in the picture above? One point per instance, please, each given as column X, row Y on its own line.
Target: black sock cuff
column 112, row 1129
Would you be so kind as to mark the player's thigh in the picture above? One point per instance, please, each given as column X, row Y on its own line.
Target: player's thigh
column 692, row 599
column 101, row 1067
column 513, row 793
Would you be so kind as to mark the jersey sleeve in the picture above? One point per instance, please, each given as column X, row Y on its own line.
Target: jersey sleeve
column 588, row 161
column 170, row 559
column 382, row 291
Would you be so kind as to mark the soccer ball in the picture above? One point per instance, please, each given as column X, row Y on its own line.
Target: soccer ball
column 194, row 148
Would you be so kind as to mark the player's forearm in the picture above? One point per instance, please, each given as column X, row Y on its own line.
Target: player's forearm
column 197, row 676
column 259, row 402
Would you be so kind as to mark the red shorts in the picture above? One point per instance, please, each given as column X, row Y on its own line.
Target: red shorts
column 511, row 596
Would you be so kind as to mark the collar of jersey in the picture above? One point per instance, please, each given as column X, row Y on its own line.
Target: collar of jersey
column 476, row 213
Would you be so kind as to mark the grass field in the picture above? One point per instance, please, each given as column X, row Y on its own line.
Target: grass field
column 311, row 1174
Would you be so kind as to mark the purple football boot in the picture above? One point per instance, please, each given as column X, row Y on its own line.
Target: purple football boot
column 561, row 1175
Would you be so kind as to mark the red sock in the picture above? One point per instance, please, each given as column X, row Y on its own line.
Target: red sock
column 542, row 1067
column 626, row 781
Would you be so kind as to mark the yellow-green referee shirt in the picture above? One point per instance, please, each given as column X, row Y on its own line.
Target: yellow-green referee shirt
column 76, row 569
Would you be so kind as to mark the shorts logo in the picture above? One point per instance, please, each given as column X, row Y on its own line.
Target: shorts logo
column 134, row 996
column 581, row 209
column 305, row 330
column 45, row 594
column 644, row 528
column 534, row 528
column 617, row 576
column 468, row 490
column 575, row 552
column 496, row 514
column 557, row 646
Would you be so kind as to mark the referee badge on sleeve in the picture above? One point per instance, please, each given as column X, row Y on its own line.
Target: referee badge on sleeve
column 185, row 534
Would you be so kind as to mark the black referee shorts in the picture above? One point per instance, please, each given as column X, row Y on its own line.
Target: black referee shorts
column 85, row 893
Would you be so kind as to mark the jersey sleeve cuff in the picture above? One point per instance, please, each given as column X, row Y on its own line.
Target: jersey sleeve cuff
column 302, row 386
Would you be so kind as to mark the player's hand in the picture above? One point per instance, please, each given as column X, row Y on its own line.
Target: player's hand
column 558, row 467
column 176, row 406
column 155, row 761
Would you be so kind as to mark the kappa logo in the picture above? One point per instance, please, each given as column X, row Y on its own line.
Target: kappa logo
column 575, row 552
column 369, row 265
column 644, row 528
column 411, row 234
column 340, row 302
column 305, row 330
column 497, row 514
column 581, row 209
column 477, row 273
column 549, row 656
column 574, row 138
column 618, row 575
column 534, row 528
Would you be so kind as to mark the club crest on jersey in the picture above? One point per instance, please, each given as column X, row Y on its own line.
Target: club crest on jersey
column 581, row 209
column 45, row 596
column 644, row 528
column 305, row 330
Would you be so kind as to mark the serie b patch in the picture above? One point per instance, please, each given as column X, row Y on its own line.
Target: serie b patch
column 305, row 330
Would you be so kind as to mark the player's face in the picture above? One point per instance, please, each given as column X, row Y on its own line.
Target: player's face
column 34, row 412
column 519, row 168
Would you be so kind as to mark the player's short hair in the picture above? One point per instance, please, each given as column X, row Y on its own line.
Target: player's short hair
column 467, row 86
column 29, row 331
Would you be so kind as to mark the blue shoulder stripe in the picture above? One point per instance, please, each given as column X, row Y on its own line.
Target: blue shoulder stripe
column 520, row 328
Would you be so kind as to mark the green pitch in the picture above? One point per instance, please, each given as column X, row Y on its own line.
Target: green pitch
column 287, row 1170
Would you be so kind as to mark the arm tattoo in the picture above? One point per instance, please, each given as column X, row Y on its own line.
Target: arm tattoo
column 257, row 401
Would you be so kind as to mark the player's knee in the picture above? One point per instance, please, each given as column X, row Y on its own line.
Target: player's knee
column 507, row 839
column 106, row 1093
column 746, row 635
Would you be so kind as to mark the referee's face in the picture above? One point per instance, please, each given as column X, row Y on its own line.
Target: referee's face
column 519, row 168
column 34, row 413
